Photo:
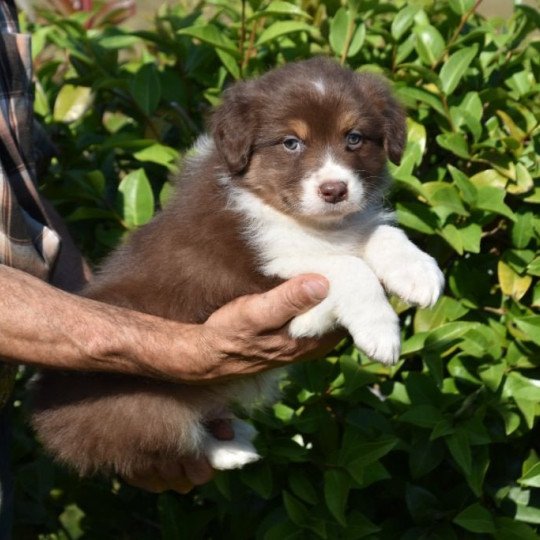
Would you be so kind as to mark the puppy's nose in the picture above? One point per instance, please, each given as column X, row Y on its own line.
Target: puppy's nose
column 333, row 191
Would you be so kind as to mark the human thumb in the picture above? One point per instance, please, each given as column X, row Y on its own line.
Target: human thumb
column 278, row 306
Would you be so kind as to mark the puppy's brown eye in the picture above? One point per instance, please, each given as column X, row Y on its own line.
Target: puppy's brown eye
column 292, row 144
column 354, row 140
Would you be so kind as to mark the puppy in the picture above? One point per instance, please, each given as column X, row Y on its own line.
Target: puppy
column 290, row 181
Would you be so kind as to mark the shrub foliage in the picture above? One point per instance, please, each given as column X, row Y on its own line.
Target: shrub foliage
column 445, row 444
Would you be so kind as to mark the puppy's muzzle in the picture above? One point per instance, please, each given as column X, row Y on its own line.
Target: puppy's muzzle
column 333, row 191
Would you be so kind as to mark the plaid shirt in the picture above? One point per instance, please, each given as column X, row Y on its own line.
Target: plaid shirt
column 25, row 240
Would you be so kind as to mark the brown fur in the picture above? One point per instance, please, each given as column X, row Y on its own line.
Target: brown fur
column 191, row 258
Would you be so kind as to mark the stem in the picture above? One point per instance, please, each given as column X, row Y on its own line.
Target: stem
column 242, row 38
column 464, row 18
column 251, row 44
column 351, row 27
column 447, row 112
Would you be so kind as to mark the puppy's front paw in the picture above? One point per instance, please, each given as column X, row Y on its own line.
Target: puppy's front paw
column 315, row 322
column 376, row 333
column 417, row 280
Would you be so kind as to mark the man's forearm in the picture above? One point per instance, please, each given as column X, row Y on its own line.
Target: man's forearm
column 46, row 327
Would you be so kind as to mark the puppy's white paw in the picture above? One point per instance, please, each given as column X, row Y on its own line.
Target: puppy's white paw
column 417, row 280
column 233, row 454
column 315, row 322
column 377, row 335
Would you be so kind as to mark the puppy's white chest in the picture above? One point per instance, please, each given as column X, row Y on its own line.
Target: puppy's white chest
column 284, row 246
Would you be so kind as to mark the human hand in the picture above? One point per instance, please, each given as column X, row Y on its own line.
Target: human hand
column 250, row 334
column 184, row 473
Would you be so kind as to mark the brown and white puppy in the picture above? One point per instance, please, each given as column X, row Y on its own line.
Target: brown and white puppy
column 290, row 180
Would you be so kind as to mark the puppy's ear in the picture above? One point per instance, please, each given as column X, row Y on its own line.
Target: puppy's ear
column 379, row 95
column 233, row 127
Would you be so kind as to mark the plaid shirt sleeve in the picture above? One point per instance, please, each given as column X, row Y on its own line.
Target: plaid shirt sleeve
column 26, row 242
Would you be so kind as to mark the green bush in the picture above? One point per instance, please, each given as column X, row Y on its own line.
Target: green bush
column 445, row 444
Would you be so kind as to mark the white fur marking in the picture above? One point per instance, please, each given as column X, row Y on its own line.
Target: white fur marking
column 319, row 85
column 312, row 204
column 233, row 454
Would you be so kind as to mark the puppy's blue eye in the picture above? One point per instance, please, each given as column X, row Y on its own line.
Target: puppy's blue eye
column 292, row 144
column 354, row 140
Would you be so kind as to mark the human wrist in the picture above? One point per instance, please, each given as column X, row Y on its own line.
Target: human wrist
column 149, row 346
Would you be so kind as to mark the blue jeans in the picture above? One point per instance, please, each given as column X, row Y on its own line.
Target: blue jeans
column 6, row 480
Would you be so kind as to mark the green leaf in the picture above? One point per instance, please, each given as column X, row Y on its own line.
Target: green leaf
column 355, row 377
column 230, row 62
column 491, row 199
column 83, row 213
column 429, row 44
column 521, row 83
column 336, row 493
column 455, row 143
column 362, row 453
column 211, row 35
column 418, row 94
column 403, row 21
column 71, row 103
column 447, row 335
column 461, row 6
column 531, row 478
column 511, row 283
column 445, row 310
column 417, row 216
column 530, row 325
column 492, row 375
column 259, row 478
column 421, row 503
column 72, row 518
column 165, row 194
column 357, row 41
column 120, row 41
column 475, row 518
column 422, row 415
column 459, row 446
column 280, row 8
column 489, row 177
column 282, row 28
column 424, row 456
column 522, row 229
column 510, row 529
column 145, row 88
column 521, row 505
column 296, row 511
column 359, row 526
column 302, row 487
column 455, row 67
column 158, row 153
column 416, row 133
column 137, row 199
column 338, row 30
column 443, row 195
column 405, row 49
column 533, row 267
column 170, row 522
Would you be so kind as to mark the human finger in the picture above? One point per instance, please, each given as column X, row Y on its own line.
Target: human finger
column 274, row 308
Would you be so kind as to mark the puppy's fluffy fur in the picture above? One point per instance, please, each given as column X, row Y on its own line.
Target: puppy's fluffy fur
column 290, row 180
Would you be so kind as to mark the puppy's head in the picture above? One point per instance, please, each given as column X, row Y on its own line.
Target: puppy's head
column 311, row 138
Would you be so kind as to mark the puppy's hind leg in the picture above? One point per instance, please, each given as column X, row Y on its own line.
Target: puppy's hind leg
column 233, row 454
